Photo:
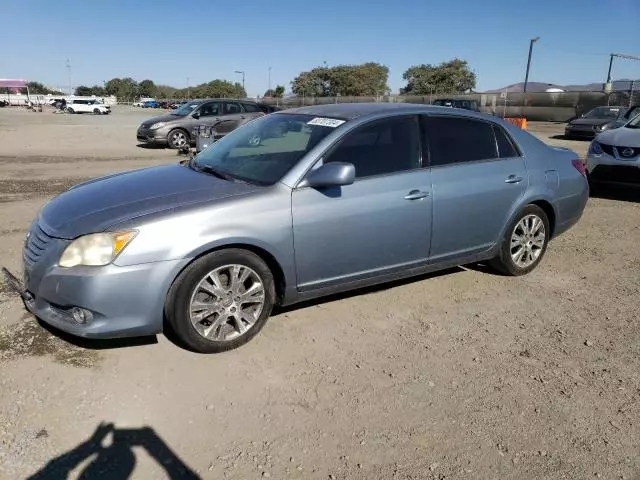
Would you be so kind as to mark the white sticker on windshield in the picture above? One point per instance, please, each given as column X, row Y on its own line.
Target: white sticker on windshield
column 326, row 122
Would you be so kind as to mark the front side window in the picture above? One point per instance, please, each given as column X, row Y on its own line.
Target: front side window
column 264, row 150
column 381, row 147
column 458, row 140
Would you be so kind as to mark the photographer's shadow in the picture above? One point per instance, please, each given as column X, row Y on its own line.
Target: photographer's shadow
column 114, row 459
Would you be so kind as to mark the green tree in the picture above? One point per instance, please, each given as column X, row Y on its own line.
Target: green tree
column 146, row 88
column 124, row 89
column 38, row 88
column 215, row 89
column 453, row 76
column 84, row 91
column 166, row 91
column 347, row 80
column 277, row 92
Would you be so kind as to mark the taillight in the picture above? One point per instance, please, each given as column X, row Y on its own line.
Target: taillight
column 579, row 166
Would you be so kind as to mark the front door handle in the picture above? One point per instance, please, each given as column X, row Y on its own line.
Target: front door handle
column 513, row 179
column 416, row 195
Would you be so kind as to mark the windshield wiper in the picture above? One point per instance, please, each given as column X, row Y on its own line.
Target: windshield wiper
column 211, row 170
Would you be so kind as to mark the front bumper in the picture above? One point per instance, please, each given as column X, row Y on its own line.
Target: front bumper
column 605, row 168
column 153, row 137
column 581, row 132
column 121, row 301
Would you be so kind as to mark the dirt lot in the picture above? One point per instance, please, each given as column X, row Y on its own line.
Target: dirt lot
column 458, row 375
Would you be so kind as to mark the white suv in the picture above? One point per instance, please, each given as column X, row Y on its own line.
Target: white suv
column 87, row 106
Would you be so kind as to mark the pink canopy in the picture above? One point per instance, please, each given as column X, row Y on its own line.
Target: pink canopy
column 12, row 83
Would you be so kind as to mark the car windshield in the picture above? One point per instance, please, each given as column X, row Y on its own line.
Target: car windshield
column 185, row 109
column 603, row 112
column 635, row 122
column 265, row 149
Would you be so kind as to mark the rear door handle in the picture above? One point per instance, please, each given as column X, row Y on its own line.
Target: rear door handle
column 416, row 195
column 513, row 179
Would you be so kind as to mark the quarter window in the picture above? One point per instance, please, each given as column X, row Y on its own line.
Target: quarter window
column 249, row 107
column 505, row 145
column 382, row 147
column 458, row 140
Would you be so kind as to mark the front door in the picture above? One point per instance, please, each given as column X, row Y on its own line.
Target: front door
column 478, row 178
column 379, row 224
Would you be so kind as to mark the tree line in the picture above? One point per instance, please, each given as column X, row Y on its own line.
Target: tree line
column 367, row 79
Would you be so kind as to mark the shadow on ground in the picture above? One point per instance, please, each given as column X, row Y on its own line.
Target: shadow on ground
column 108, row 453
column 150, row 146
column 621, row 193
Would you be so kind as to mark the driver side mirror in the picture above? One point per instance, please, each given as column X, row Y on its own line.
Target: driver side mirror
column 334, row 174
column 195, row 115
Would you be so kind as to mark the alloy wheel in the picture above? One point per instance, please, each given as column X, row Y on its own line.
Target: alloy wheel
column 227, row 302
column 527, row 241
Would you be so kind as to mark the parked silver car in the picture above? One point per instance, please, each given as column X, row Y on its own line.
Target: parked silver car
column 614, row 156
column 175, row 129
column 292, row 206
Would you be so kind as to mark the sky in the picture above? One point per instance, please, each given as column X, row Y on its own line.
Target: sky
column 184, row 43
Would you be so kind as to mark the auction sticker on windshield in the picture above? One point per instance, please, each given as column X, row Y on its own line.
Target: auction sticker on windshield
column 326, row 122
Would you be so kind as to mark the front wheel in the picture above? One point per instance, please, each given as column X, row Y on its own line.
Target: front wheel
column 525, row 243
column 220, row 301
column 178, row 139
column 96, row 111
column 70, row 110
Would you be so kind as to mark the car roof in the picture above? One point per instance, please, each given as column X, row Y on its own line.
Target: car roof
column 350, row 111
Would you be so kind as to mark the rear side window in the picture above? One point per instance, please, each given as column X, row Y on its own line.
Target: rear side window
column 458, row 140
column 506, row 148
column 250, row 107
column 381, row 147
column 231, row 108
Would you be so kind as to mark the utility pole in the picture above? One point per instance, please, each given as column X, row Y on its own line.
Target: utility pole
column 269, row 89
column 68, row 66
column 617, row 55
column 526, row 76
column 241, row 72
column 188, row 90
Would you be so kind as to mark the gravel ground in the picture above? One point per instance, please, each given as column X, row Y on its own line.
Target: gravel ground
column 462, row 374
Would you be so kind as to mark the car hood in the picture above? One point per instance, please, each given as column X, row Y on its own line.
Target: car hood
column 621, row 137
column 590, row 121
column 98, row 204
column 162, row 118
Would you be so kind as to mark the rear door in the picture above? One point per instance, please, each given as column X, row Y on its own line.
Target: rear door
column 232, row 115
column 478, row 178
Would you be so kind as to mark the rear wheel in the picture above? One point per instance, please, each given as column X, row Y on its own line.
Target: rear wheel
column 178, row 139
column 96, row 111
column 70, row 110
column 221, row 301
column 525, row 243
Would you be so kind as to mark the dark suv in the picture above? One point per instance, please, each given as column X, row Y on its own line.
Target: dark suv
column 176, row 128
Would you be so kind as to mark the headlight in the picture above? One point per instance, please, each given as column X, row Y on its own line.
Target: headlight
column 95, row 249
column 157, row 125
column 595, row 148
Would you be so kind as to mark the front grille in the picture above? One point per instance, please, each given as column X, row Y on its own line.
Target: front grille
column 628, row 153
column 36, row 246
column 608, row 149
column 617, row 174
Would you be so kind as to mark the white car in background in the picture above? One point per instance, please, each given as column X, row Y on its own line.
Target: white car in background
column 87, row 106
column 614, row 156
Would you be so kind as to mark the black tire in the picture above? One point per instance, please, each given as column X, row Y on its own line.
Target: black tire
column 177, row 306
column 70, row 110
column 504, row 262
column 96, row 111
column 173, row 139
